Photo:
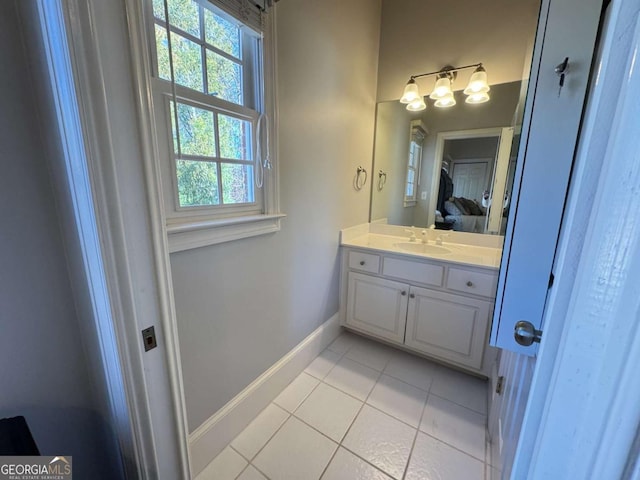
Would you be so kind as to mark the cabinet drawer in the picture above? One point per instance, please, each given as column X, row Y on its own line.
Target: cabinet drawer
column 413, row 271
column 365, row 262
column 469, row 281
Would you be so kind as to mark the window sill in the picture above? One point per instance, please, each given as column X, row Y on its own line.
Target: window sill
column 185, row 236
column 410, row 203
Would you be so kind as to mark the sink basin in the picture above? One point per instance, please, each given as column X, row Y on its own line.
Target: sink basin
column 422, row 248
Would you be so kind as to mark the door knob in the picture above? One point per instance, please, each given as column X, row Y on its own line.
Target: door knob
column 526, row 334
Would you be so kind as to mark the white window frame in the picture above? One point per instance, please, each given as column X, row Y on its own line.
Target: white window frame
column 417, row 135
column 193, row 227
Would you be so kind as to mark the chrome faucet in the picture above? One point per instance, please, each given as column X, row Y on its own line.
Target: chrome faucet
column 440, row 237
column 412, row 235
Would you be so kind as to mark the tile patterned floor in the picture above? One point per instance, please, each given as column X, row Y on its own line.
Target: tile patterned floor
column 362, row 410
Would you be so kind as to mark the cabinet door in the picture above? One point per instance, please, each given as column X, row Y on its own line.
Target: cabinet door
column 377, row 306
column 451, row 327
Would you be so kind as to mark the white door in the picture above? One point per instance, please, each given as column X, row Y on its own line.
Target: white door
column 377, row 306
column 549, row 136
column 451, row 327
column 524, row 289
column 470, row 179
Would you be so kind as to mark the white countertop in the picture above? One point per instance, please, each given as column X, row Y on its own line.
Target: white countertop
column 478, row 256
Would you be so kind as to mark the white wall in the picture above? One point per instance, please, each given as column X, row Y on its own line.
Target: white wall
column 43, row 346
column 419, row 36
column 391, row 153
column 243, row 305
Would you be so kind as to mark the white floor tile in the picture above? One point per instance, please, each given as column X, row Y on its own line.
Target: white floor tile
column 458, row 426
column 296, row 452
column 258, row 433
column 323, row 363
column 250, row 473
column 411, row 369
column 352, row 378
column 226, row 466
column 433, row 459
column 347, row 466
column 381, row 440
column 372, row 354
column 398, row 399
column 329, row 410
column 460, row 388
column 292, row 396
column 343, row 343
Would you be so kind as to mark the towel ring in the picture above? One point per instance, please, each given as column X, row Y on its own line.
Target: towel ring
column 382, row 179
column 360, row 179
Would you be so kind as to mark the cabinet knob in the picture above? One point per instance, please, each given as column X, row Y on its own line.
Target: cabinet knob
column 412, row 295
column 469, row 283
column 403, row 293
column 361, row 262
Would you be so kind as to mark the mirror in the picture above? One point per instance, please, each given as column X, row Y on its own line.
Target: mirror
column 447, row 166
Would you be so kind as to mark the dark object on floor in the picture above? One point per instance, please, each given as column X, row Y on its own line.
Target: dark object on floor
column 444, row 226
column 15, row 437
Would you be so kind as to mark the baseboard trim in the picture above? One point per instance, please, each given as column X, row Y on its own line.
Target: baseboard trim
column 210, row 438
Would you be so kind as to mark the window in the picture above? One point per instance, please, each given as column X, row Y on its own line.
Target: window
column 208, row 81
column 418, row 133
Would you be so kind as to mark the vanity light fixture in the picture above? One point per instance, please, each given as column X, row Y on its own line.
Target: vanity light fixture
column 476, row 91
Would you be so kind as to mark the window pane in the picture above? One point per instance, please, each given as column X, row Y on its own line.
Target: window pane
column 197, row 183
column 162, row 49
column 409, row 190
column 222, row 34
column 158, row 9
column 184, row 15
column 196, row 131
column 224, row 77
column 187, row 62
column 410, row 176
column 235, row 138
column 237, row 183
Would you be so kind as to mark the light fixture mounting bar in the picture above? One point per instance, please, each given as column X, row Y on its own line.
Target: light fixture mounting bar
column 445, row 70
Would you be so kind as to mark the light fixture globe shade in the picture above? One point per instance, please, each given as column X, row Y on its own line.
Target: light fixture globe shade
column 477, row 82
column 476, row 98
column 411, row 93
column 442, row 89
column 446, row 101
column 417, row 105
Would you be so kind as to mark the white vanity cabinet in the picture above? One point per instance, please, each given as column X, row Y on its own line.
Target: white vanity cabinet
column 433, row 307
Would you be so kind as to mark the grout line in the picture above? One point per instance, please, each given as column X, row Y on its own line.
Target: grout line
column 244, row 469
column 453, row 446
column 289, row 415
column 237, row 451
column 415, row 438
column 261, row 472
column 303, row 399
column 456, row 403
column 324, row 470
column 366, row 461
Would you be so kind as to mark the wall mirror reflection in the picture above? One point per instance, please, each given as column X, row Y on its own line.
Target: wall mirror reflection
column 445, row 146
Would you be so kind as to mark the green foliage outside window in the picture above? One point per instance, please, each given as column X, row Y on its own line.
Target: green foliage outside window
column 197, row 179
